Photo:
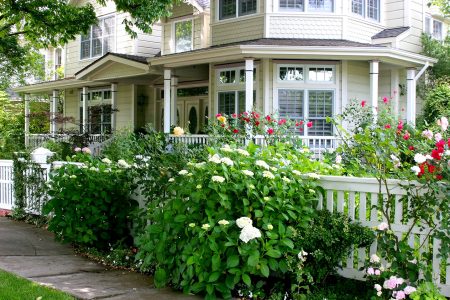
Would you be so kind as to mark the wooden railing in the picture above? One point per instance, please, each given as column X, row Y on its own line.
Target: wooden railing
column 37, row 140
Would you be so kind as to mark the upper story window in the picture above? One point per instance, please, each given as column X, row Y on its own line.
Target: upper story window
column 307, row 5
column 367, row 8
column 99, row 39
column 433, row 28
column 57, row 62
column 236, row 8
column 228, row 76
column 313, row 74
column 183, row 36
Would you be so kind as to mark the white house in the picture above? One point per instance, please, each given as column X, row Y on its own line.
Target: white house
column 300, row 58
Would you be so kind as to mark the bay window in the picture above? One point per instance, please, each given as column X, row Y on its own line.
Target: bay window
column 307, row 5
column 369, row 9
column 99, row 39
column 183, row 36
column 236, row 8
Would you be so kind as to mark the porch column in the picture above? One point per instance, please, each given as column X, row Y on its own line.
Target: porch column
column 85, row 94
column 27, row 119
column 53, row 111
column 411, row 96
column 249, row 65
column 113, row 106
column 266, row 76
column 173, row 101
column 395, row 85
column 167, row 81
column 374, row 68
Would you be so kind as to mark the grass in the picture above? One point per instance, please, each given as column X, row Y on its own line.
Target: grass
column 13, row 287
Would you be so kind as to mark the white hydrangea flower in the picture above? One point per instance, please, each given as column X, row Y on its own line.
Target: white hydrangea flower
column 262, row 164
column 192, row 225
column 243, row 152
column 183, row 172
column 215, row 159
column 313, row 175
column 287, row 180
column 93, row 169
column 223, row 222
column 73, row 176
column 248, row 173
column 200, row 165
column 377, row 287
column 122, row 163
column 243, row 222
column 298, row 173
column 219, row 179
column 199, row 186
column 268, row 174
column 420, row 158
column 266, row 198
column 206, row 226
column 171, row 179
column 338, row 159
column 227, row 161
column 374, row 259
column 249, row 233
column 106, row 161
column 302, row 255
column 226, row 148
column 273, row 169
column 269, row 227
column 189, row 174
column 251, row 186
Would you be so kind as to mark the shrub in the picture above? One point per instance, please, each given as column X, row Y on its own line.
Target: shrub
column 196, row 239
column 90, row 204
column 437, row 101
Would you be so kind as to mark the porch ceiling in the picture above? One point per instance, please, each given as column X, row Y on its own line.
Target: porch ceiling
column 294, row 49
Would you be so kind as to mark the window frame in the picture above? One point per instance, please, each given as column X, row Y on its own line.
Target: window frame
column 237, row 11
column 430, row 21
column 174, row 32
column 57, row 64
column 101, row 21
column 237, row 76
column 306, row 8
column 365, row 14
column 91, row 102
column 306, row 79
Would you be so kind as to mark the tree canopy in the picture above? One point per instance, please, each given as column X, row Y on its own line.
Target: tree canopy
column 29, row 25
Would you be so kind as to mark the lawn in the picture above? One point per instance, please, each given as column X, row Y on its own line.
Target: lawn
column 13, row 287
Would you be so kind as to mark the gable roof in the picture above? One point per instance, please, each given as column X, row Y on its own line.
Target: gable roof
column 135, row 58
column 390, row 32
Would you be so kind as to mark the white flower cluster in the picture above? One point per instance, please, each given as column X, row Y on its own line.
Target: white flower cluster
column 248, row 232
column 123, row 164
column 262, row 164
column 302, row 255
column 219, row 179
column 243, row 152
column 248, row 173
column 106, row 161
column 226, row 148
column 227, row 161
column 374, row 259
column 268, row 174
column 215, row 159
column 183, row 172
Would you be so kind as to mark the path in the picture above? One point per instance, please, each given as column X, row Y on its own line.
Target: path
column 32, row 253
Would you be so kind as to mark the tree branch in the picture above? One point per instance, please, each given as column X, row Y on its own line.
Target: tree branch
column 18, row 32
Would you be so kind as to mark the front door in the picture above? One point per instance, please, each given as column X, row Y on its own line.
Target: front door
column 192, row 115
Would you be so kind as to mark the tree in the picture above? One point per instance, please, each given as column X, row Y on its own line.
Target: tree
column 440, row 51
column 29, row 25
column 444, row 6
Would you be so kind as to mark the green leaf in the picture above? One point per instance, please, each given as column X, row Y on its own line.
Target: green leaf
column 265, row 270
column 160, row 278
column 274, row 253
column 253, row 259
column 246, row 279
column 180, row 219
column 215, row 262
column 258, row 213
column 287, row 242
column 214, row 276
column 232, row 261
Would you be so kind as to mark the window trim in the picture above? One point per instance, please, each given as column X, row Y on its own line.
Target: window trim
column 305, row 8
column 431, row 20
column 92, row 102
column 306, row 79
column 237, row 11
column 55, row 65
column 365, row 15
column 174, row 43
column 237, row 76
column 100, row 20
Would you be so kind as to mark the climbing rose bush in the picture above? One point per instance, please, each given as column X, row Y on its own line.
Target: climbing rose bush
column 229, row 221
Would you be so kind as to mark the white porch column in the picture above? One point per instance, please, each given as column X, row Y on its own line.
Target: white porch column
column 374, row 69
column 266, row 84
column 167, row 81
column 173, row 101
column 249, row 65
column 411, row 96
column 395, row 85
column 53, row 111
column 113, row 106
column 27, row 119
column 85, row 121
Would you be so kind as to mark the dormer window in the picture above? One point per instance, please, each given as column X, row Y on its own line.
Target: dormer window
column 99, row 39
column 433, row 28
column 369, row 9
column 236, row 8
column 183, row 36
column 307, row 5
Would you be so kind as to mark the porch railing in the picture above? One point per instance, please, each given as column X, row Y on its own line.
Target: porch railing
column 37, row 140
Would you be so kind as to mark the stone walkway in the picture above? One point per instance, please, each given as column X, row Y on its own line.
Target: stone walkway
column 32, row 253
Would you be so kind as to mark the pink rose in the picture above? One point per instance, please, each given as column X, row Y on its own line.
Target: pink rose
column 443, row 122
column 370, row 271
column 377, row 272
column 383, row 226
column 400, row 295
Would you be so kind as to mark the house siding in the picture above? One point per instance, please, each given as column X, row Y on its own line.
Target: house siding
column 358, row 80
column 237, row 30
column 360, row 30
column 416, row 17
column 312, row 26
column 394, row 13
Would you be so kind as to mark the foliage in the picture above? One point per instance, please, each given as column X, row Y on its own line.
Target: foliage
column 437, row 101
column 443, row 5
column 90, row 202
column 13, row 287
column 61, row 150
column 208, row 250
column 439, row 50
column 427, row 291
column 328, row 240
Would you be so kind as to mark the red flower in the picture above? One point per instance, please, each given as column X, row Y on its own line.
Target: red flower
column 234, row 116
column 385, row 100
column 218, row 115
column 268, row 118
column 448, row 143
column 235, row 130
column 309, row 124
column 400, row 125
column 301, row 129
column 363, row 103
column 255, row 115
column 387, row 126
column 440, row 144
column 411, row 148
column 257, row 123
column 299, row 123
column 439, row 177
column 436, row 154
column 431, row 168
column 223, row 125
column 245, row 113
column 406, row 136
column 247, row 120
column 270, row 131
column 282, row 121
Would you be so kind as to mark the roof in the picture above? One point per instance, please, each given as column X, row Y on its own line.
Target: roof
column 203, row 3
column 390, row 32
column 135, row 58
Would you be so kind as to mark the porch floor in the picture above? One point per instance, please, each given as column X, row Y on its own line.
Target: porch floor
column 32, row 253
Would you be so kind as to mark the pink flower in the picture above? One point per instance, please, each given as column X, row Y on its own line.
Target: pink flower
column 391, row 283
column 400, row 295
column 270, row 131
column 406, row 136
column 218, row 115
column 377, row 272
column 309, row 124
column 387, row 126
column 438, row 137
column 400, row 125
column 383, row 226
column 363, row 103
column 409, row 290
column 377, row 287
column 370, row 271
column 443, row 122
column 86, row 150
column 385, row 100
column 282, row 121
column 77, row 149
column 428, row 134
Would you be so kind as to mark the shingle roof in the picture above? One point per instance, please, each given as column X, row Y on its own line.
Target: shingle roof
column 203, row 3
column 390, row 32
column 136, row 58
column 305, row 43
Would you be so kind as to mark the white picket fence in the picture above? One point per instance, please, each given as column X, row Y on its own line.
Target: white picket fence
column 355, row 197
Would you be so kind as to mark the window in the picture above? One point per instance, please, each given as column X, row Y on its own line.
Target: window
column 433, row 28
column 58, row 62
column 320, row 74
column 232, row 102
column 236, row 8
column 298, row 74
column 183, row 36
column 298, row 5
column 367, row 8
column 98, row 40
column 291, row 74
column 99, row 112
column 292, row 104
column 320, row 5
column 228, row 76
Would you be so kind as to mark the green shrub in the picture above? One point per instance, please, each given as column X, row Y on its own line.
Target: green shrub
column 194, row 240
column 90, row 204
column 437, row 101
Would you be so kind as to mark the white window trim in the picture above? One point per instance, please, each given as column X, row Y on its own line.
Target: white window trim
column 174, row 40
column 92, row 102
column 306, row 9
column 100, row 19
column 305, row 80
column 365, row 12
column 306, row 86
column 431, row 33
column 238, row 84
column 237, row 12
column 55, row 68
